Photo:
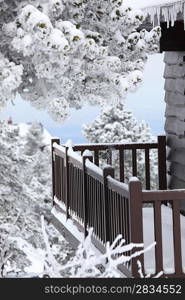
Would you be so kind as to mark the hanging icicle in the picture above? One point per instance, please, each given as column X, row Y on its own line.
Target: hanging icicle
column 168, row 10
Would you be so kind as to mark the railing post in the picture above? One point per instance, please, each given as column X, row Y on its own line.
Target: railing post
column 53, row 140
column 136, row 221
column 107, row 171
column 66, row 165
column 86, row 155
column 162, row 162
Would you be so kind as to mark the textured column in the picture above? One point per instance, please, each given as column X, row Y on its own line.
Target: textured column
column 175, row 118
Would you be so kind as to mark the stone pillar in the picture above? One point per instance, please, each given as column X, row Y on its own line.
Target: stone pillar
column 175, row 118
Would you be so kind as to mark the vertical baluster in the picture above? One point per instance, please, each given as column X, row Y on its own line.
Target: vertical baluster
column 55, row 140
column 86, row 194
column 81, row 195
column 126, row 229
column 66, row 182
column 103, row 214
column 121, row 166
column 111, row 215
column 147, row 169
column 77, row 192
column 73, row 193
column 62, row 180
column 96, row 207
column 158, row 237
column 99, row 209
column 117, row 215
column 57, row 159
column 162, row 162
column 92, row 203
column 134, row 162
column 59, row 177
column 90, row 197
column 96, row 158
column 107, row 171
column 177, row 237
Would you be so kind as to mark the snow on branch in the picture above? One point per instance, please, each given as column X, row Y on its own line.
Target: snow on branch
column 89, row 262
column 68, row 55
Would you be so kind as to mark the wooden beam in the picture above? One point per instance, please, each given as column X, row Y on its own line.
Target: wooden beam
column 172, row 38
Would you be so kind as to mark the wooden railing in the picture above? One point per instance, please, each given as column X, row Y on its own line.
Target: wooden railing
column 133, row 148
column 94, row 198
column 157, row 198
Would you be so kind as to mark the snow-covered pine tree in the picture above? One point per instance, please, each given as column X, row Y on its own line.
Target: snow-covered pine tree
column 34, row 138
column 10, row 183
column 117, row 125
column 25, row 193
column 61, row 53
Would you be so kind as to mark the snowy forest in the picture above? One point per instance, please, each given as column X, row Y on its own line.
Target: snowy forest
column 58, row 55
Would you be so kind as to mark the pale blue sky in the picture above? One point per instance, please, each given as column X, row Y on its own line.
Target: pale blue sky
column 147, row 104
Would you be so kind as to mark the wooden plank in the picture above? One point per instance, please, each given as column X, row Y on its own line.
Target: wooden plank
column 158, row 237
column 98, row 209
column 121, row 166
column 136, row 221
column 162, row 162
column 93, row 173
column 134, row 162
column 107, row 171
column 65, row 182
column 96, row 158
column 115, row 216
column 75, row 162
column 96, row 212
column 172, row 37
column 116, row 146
column 147, row 169
column 177, row 237
column 166, row 195
column 118, row 187
column 59, row 151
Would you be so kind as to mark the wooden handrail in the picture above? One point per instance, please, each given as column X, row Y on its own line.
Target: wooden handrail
column 115, row 146
column 162, row 195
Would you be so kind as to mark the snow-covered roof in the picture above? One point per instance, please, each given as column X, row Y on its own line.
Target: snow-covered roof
column 165, row 10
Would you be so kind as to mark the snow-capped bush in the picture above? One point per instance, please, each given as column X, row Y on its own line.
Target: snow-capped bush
column 88, row 262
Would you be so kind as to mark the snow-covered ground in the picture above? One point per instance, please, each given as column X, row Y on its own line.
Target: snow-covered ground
column 148, row 217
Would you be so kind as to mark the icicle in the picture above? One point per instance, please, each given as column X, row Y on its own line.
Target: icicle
column 169, row 12
column 165, row 13
column 158, row 15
